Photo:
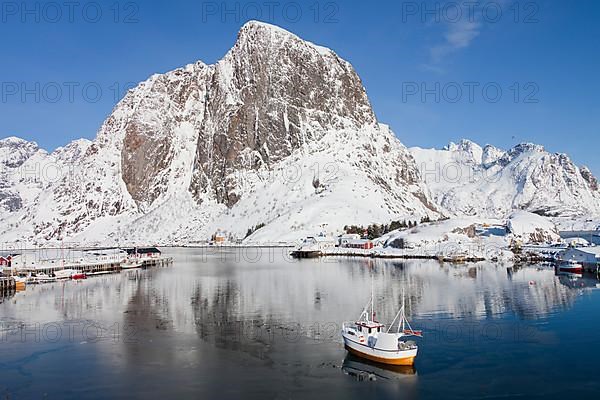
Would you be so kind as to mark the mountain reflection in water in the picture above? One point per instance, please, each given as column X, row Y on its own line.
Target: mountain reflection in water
column 216, row 324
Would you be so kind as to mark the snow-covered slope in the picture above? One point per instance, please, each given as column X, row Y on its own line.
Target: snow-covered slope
column 532, row 228
column 279, row 132
column 465, row 179
column 472, row 237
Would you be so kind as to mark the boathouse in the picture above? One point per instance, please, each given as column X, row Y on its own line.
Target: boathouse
column 145, row 252
column 588, row 256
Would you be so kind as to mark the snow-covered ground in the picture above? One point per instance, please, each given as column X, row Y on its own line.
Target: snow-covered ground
column 472, row 237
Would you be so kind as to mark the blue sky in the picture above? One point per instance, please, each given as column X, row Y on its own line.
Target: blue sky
column 544, row 56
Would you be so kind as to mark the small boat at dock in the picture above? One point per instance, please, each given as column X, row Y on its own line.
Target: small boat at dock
column 369, row 339
column 131, row 263
column 64, row 274
column 78, row 276
column 571, row 266
column 42, row 278
column 20, row 282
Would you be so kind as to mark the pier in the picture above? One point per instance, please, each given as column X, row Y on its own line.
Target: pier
column 348, row 252
column 157, row 262
column 94, row 268
column 88, row 262
column 7, row 284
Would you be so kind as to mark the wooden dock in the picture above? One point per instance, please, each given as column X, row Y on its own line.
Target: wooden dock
column 7, row 284
column 96, row 268
column 157, row 262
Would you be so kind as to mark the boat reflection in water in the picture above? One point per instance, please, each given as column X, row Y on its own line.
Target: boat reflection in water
column 365, row 370
column 577, row 280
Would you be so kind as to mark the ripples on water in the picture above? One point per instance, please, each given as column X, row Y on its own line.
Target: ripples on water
column 215, row 323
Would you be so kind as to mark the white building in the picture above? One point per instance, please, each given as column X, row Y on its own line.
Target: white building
column 317, row 243
column 343, row 240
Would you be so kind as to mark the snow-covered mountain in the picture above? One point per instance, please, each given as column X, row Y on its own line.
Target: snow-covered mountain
column 466, row 179
column 279, row 132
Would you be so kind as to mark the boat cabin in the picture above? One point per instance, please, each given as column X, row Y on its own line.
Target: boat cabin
column 369, row 327
column 143, row 252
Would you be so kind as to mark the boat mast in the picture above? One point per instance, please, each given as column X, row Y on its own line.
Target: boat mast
column 372, row 303
column 403, row 316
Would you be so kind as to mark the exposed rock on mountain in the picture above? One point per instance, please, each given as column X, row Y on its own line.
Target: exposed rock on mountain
column 186, row 153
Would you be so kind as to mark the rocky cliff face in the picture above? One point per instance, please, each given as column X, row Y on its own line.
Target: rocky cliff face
column 184, row 150
column 269, row 95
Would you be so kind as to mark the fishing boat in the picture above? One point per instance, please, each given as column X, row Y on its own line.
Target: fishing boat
column 43, row 278
column 368, row 338
column 64, row 274
column 77, row 276
column 20, row 282
column 131, row 263
column 571, row 266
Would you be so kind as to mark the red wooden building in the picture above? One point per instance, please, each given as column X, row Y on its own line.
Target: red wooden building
column 5, row 261
column 364, row 244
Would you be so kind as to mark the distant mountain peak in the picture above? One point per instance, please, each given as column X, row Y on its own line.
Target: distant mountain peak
column 469, row 150
column 14, row 151
column 494, row 182
column 14, row 140
column 527, row 147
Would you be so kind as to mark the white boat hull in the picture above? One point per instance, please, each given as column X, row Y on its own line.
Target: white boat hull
column 393, row 357
column 131, row 265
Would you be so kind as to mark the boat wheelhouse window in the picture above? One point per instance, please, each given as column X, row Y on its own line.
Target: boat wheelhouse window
column 377, row 329
column 369, row 330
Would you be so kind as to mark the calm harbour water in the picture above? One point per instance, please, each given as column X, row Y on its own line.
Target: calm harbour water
column 250, row 323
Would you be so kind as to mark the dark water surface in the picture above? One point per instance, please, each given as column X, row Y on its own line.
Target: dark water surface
column 252, row 324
